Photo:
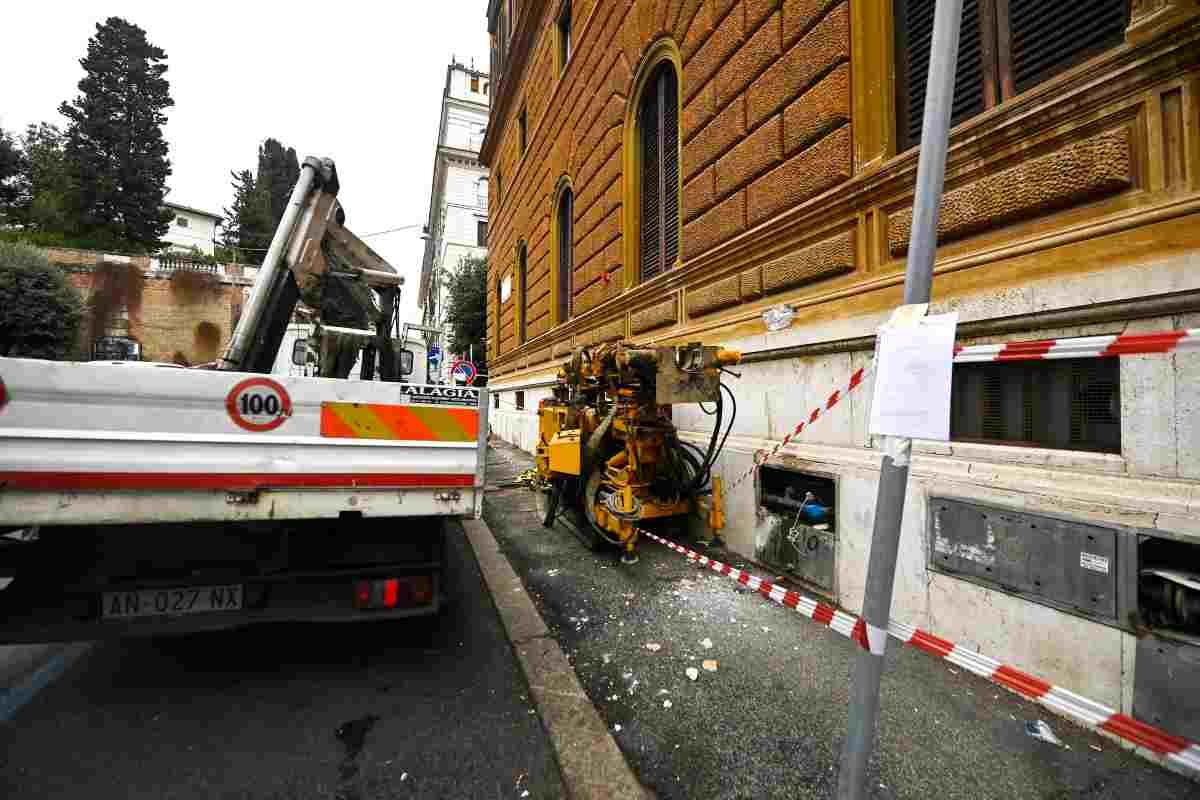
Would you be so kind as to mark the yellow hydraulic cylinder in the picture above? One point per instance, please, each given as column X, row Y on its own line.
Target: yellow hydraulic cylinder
column 716, row 515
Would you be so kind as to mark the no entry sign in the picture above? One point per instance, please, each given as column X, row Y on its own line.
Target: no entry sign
column 464, row 371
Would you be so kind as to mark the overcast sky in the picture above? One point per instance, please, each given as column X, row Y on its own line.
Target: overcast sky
column 359, row 82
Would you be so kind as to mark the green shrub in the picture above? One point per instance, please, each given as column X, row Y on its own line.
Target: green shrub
column 40, row 311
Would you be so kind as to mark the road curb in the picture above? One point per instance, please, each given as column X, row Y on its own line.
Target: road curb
column 592, row 765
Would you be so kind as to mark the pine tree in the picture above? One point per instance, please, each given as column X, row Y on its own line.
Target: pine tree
column 259, row 200
column 247, row 227
column 278, row 171
column 115, row 145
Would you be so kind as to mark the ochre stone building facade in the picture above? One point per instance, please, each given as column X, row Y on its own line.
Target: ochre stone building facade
column 665, row 171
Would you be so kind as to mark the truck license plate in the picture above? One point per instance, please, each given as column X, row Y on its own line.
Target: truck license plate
column 169, row 602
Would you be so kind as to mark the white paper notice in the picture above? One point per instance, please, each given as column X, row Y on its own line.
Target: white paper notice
column 912, row 378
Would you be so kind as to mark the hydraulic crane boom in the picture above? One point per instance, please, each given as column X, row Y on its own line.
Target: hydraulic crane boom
column 315, row 259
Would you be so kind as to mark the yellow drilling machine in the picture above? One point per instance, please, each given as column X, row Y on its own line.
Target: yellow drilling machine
column 608, row 455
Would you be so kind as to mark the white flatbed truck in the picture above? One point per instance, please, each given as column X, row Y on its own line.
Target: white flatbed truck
column 143, row 501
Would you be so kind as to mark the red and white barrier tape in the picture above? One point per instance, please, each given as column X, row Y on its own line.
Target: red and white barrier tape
column 1078, row 347
column 1171, row 750
column 1082, row 347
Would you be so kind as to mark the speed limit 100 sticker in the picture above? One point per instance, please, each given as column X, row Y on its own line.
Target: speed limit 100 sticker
column 258, row 405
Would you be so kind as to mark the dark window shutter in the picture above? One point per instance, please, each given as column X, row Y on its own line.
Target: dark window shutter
column 522, row 295
column 649, row 124
column 670, row 167
column 914, row 40
column 658, row 122
column 1050, row 37
column 565, row 262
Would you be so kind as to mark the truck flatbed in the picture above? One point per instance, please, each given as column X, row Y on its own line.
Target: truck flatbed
column 85, row 443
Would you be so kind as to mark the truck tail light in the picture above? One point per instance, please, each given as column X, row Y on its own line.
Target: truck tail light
column 406, row 592
column 391, row 592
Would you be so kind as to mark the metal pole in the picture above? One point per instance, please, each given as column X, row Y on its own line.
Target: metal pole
column 893, row 473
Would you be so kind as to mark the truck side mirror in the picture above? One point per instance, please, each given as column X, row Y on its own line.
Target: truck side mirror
column 300, row 352
column 406, row 362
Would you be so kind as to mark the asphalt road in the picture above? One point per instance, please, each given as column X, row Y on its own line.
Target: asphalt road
column 769, row 722
column 412, row 708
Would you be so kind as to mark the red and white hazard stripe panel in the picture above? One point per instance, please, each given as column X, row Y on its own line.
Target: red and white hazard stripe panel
column 1174, row 751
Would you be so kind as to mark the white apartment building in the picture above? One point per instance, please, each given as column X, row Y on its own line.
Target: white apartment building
column 458, row 202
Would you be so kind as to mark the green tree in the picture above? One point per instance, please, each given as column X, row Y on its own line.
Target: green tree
column 44, row 187
column 260, row 199
column 278, row 171
column 247, row 225
column 114, row 141
column 466, row 309
column 40, row 312
column 11, row 166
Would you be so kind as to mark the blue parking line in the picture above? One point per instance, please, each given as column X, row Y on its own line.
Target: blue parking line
column 16, row 697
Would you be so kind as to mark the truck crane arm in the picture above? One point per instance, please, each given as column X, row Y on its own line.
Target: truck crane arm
column 315, row 259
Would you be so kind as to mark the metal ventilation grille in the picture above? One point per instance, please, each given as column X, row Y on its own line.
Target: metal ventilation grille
column 1069, row 404
column 1048, row 37
column 1095, row 403
column 969, row 84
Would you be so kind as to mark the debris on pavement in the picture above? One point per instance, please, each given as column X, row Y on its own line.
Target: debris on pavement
column 666, row 703
column 692, row 673
column 709, row 664
column 706, row 643
column 617, row 728
column 653, row 647
column 1038, row 729
column 607, row 657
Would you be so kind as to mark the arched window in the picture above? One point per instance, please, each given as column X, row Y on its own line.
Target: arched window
column 565, row 214
column 522, row 294
column 481, row 192
column 658, row 157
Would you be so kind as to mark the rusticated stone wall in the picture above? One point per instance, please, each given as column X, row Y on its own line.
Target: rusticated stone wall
column 792, row 187
column 764, row 90
column 1068, row 176
column 770, row 125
